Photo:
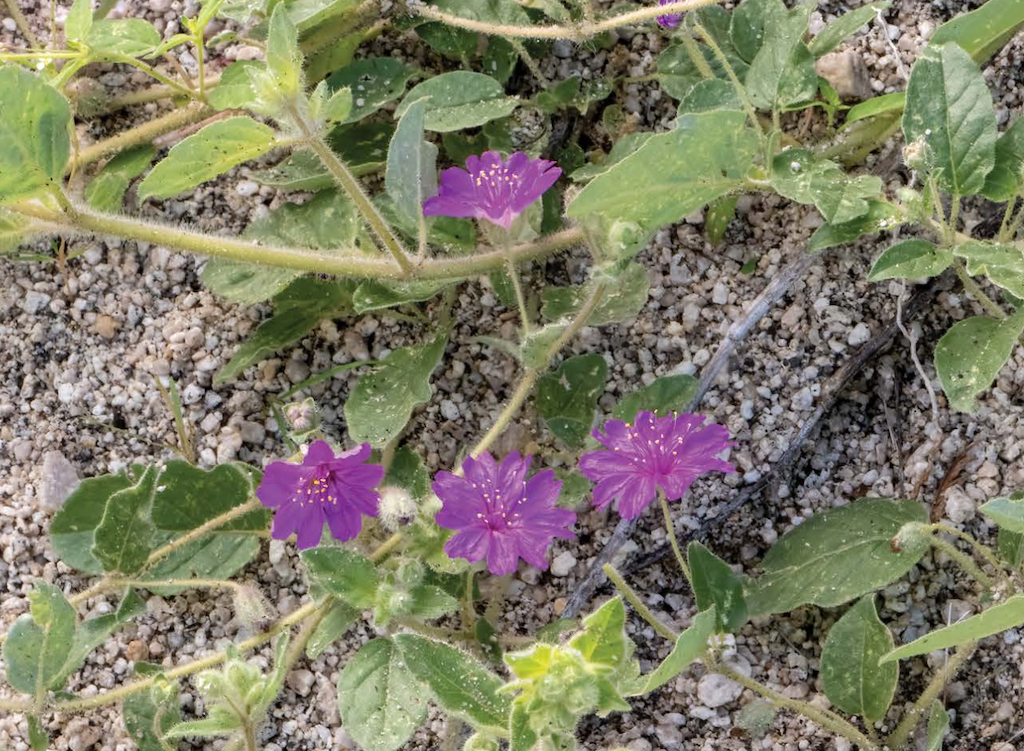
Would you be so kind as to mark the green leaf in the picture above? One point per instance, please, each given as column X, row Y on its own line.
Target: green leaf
column 188, row 497
column 38, row 738
column 854, row 680
column 382, row 402
column 105, row 192
column 627, row 293
column 344, row 574
column 429, row 601
column 460, row 685
column 92, row 633
column 983, row 31
column 407, row 471
column 748, row 22
column 380, row 700
column 567, row 398
column 949, row 112
column 603, row 638
column 234, row 89
column 691, row 645
column 34, row 140
column 1004, row 181
column 782, row 73
column 664, row 396
column 716, row 587
column 622, row 148
column 1011, row 546
column 338, row 106
column 706, row 96
column 1008, row 513
column 203, row 156
column 299, row 308
column 938, row 725
column 284, row 58
column 970, row 355
column 340, row 617
column 677, row 72
column 881, row 215
column 840, row 198
column 132, row 37
column 1002, row 264
column 837, row 556
column 846, row 25
column 149, row 715
column 126, row 535
column 460, row 99
column 218, row 723
column 911, row 259
column 79, row 21
column 411, row 175
column 212, row 556
column 719, row 215
column 12, row 231
column 994, row 620
column 878, row 105
column 656, row 185
column 374, row 82
column 73, row 529
column 39, row 642
column 521, row 735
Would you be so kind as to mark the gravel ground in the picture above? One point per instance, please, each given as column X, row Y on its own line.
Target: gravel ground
column 77, row 398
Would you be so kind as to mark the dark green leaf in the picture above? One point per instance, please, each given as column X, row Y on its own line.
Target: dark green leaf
column 149, row 715
column 846, row 25
column 344, row 574
column 408, row 471
column 1004, row 181
column 126, row 534
column 664, row 396
column 691, row 645
column 460, row 99
column 72, row 531
column 717, row 587
column 983, row 31
column 881, row 215
column 911, row 259
column 782, row 73
column 799, row 176
column 105, row 192
column 994, row 620
column 879, row 105
column 339, row 619
column 39, row 643
column 970, row 355
column 1002, row 264
column 374, row 82
column 626, row 293
column 567, row 398
column 411, row 175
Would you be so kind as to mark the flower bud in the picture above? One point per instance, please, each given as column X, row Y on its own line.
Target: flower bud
column 396, row 508
column 480, row 742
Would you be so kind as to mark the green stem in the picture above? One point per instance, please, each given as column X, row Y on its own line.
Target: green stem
column 40, row 55
column 191, row 583
column 386, row 547
column 741, row 90
column 963, row 560
column 634, row 599
column 152, row 72
column 468, row 610
column 344, row 177
column 517, row 285
column 826, row 719
column 983, row 550
column 670, row 530
column 972, row 288
column 527, row 58
column 22, row 23
column 250, row 737
column 145, row 133
column 901, row 735
column 693, row 52
column 1004, row 226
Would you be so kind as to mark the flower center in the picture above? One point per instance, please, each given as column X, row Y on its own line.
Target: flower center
column 316, row 489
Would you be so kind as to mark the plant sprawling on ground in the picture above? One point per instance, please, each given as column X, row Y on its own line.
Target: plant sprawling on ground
column 382, row 540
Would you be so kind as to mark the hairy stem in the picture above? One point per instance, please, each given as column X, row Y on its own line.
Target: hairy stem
column 971, row 287
column 517, row 285
column 741, row 90
column 963, row 561
column 634, row 599
column 145, row 133
column 577, row 32
column 693, row 52
column 901, row 735
column 982, row 550
column 670, row 530
column 23, row 25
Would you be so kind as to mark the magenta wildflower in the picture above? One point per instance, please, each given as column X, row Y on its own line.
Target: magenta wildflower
column 492, row 189
column 336, row 489
column 668, row 20
column 657, row 452
column 499, row 514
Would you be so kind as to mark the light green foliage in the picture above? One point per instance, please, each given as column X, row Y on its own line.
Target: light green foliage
column 993, row 620
column 673, row 174
column 373, row 295
column 782, row 72
column 40, row 642
column 603, row 638
column 34, row 141
column 234, row 89
column 343, row 574
column 1004, row 181
column 567, row 398
column 460, row 99
column 284, row 58
column 717, row 587
column 363, row 148
column 691, row 645
column 203, row 156
column 840, row 198
column 984, row 30
column 458, row 683
column 938, row 725
column 881, row 215
column 878, row 105
column 678, row 74
column 971, row 353
column 73, row 529
column 837, row 556
column 149, row 715
column 78, row 21
column 382, row 402
column 411, row 175
column 91, row 633
column 380, row 700
column 332, row 109
column 716, row 221
column 622, row 148
column 626, row 293
column 949, row 114
column 1002, row 264
column 12, row 231
column 854, row 680
column 105, row 192
column 911, row 259
column 339, row 618
column 374, row 82
column 130, row 37
column 298, row 309
column 664, row 396
column 846, row 25
column 126, row 534
column 1008, row 513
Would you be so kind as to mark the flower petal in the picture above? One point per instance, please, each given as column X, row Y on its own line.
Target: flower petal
column 319, row 452
column 471, row 543
column 281, row 483
column 503, row 555
column 345, row 523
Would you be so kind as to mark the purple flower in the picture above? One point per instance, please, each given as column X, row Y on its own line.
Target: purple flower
column 336, row 489
column 669, row 20
column 492, row 189
column 657, row 452
column 499, row 514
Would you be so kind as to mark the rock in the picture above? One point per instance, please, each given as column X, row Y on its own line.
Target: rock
column 563, row 564
column 247, row 188
column 860, row 334
column 716, row 690
column 301, row 681
column 449, row 410
column 137, row 651
column 34, row 302
column 720, row 294
column 59, row 480
column 959, row 505
column 846, row 73
column 105, row 326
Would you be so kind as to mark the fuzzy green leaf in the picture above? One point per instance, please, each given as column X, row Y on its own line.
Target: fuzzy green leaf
column 284, row 58
column 374, row 82
column 846, row 25
column 970, row 355
column 840, row 198
column 911, row 259
column 782, row 73
column 1008, row 513
column 691, row 645
column 664, row 396
column 73, row 529
column 984, row 30
column 234, row 89
column 717, row 587
column 1004, row 181
column 938, row 725
column 339, row 619
column 105, row 192
column 627, row 292
column 39, row 643
column 837, row 556
column 411, row 174
column 603, row 638
column 1002, row 264
column 878, row 105
column 344, row 574
column 881, row 215
column 132, row 37
column 567, row 398
column 460, row 99
column 149, row 715
column 854, row 680
column 126, row 534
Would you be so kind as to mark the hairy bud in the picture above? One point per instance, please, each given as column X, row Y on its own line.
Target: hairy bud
column 396, row 509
